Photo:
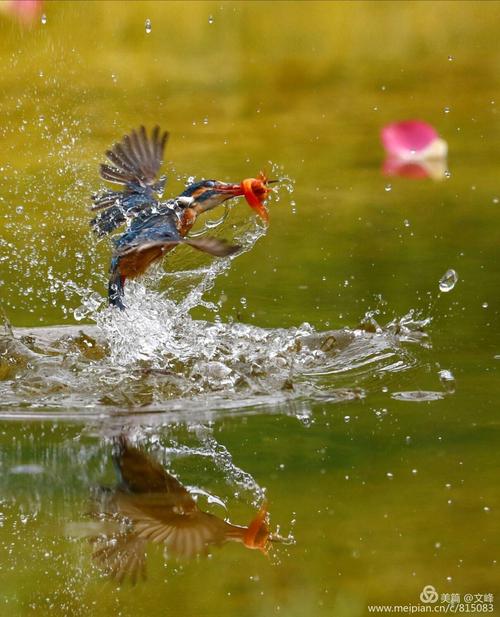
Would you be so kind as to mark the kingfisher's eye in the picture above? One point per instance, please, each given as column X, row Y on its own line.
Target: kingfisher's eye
column 209, row 184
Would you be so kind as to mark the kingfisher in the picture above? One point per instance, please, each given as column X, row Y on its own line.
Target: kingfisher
column 155, row 227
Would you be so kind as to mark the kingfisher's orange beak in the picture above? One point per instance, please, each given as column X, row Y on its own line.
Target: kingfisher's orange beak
column 255, row 191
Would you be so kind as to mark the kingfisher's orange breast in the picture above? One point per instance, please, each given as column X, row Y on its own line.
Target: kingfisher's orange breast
column 137, row 262
column 188, row 219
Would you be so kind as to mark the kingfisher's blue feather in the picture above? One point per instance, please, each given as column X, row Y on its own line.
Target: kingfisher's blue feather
column 124, row 206
column 136, row 162
column 157, row 228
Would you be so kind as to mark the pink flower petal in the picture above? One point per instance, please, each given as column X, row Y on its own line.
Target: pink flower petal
column 408, row 138
column 26, row 10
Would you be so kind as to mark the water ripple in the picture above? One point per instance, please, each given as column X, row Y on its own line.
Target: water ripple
column 154, row 357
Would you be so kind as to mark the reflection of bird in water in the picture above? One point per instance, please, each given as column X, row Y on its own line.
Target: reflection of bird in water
column 150, row 505
column 156, row 227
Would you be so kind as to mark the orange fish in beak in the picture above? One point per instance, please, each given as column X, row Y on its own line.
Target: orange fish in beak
column 256, row 191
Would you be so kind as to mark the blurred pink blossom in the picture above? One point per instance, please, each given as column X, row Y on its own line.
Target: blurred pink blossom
column 25, row 10
column 413, row 140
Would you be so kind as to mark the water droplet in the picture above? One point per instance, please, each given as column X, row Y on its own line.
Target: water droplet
column 243, row 301
column 205, row 121
column 484, row 305
column 43, row 19
column 447, row 110
column 20, row 209
column 486, row 509
column 414, row 471
column 406, row 223
column 390, row 475
column 496, row 200
column 388, row 187
column 448, row 280
column 446, row 375
column 79, row 313
column 347, row 418
column 448, row 380
column 211, row 19
column 451, row 58
column 147, row 26
column 447, row 174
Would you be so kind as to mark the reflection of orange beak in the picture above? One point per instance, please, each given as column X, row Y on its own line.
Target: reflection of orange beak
column 256, row 191
column 257, row 533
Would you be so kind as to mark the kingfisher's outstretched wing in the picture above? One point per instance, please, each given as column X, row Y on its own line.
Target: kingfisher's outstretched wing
column 136, row 161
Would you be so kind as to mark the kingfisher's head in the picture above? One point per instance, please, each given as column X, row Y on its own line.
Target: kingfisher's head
column 208, row 194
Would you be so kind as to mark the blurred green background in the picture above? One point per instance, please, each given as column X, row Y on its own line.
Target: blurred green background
column 241, row 86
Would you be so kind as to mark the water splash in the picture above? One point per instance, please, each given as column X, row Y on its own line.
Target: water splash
column 169, row 362
column 154, row 357
column 448, row 281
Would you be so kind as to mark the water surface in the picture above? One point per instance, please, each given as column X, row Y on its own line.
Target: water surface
column 323, row 367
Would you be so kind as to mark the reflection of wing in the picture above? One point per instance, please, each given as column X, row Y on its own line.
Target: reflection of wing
column 136, row 162
column 186, row 532
column 159, row 508
column 140, row 473
column 122, row 556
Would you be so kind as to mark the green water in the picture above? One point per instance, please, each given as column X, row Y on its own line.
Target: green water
column 383, row 495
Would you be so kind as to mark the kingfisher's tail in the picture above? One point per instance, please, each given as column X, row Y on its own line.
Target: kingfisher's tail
column 116, row 285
